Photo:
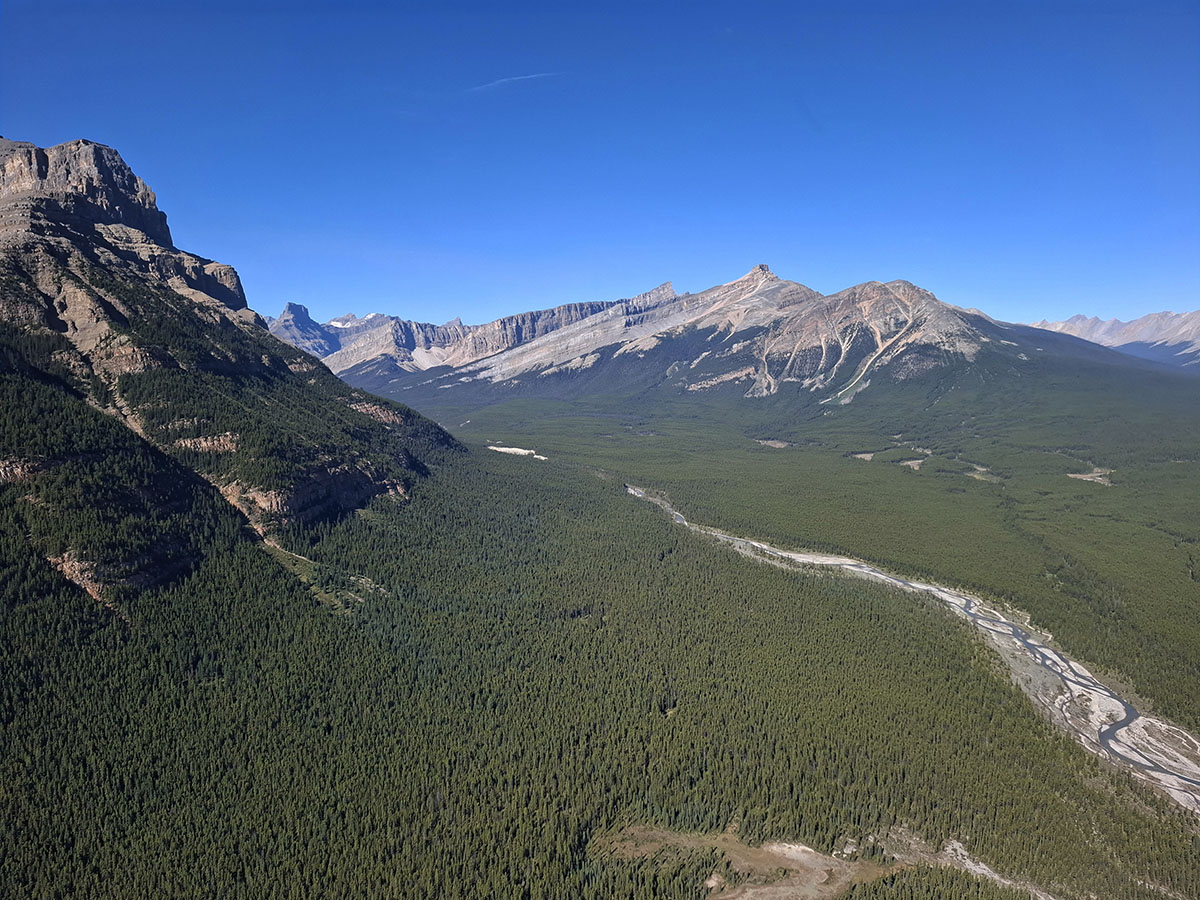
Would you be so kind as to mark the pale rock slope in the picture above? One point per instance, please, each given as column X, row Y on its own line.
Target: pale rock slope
column 754, row 333
column 407, row 346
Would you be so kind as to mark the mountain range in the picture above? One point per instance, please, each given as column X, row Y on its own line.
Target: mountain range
column 1166, row 337
column 756, row 336
column 408, row 346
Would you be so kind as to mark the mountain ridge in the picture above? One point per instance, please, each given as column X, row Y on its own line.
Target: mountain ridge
column 758, row 334
column 1168, row 337
column 347, row 341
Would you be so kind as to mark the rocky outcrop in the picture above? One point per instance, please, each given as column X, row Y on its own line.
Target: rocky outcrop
column 322, row 494
column 73, row 188
column 1163, row 336
column 348, row 341
column 99, row 302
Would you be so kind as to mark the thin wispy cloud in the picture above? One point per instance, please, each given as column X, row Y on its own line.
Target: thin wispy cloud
column 511, row 79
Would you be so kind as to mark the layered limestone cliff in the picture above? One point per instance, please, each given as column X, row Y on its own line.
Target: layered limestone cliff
column 348, row 341
column 72, row 188
column 97, row 301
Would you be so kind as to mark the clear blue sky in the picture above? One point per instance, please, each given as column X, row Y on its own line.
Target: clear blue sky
column 431, row 160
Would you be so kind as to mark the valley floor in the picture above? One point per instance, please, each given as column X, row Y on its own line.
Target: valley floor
column 1160, row 753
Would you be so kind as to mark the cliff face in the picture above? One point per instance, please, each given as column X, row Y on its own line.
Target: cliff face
column 410, row 346
column 494, row 337
column 81, row 199
column 70, row 189
column 97, row 304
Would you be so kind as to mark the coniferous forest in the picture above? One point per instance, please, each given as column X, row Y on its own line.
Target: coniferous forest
column 535, row 552
column 467, row 694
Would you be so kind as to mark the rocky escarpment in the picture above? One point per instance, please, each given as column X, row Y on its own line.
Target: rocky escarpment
column 97, row 306
column 72, row 188
column 408, row 346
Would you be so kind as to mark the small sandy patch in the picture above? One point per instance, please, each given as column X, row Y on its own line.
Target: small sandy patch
column 866, row 456
column 913, row 464
column 778, row 445
column 516, row 451
column 1100, row 476
column 781, row 871
column 982, row 473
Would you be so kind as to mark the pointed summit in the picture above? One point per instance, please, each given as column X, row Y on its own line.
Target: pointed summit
column 296, row 327
column 760, row 273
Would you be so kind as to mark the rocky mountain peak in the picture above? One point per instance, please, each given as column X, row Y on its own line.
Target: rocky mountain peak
column 296, row 312
column 760, row 274
column 296, row 327
column 653, row 297
column 74, row 186
column 97, row 304
column 59, row 200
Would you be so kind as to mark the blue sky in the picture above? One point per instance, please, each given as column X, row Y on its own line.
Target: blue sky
column 431, row 160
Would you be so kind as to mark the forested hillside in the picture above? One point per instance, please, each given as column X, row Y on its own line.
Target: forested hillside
column 532, row 662
column 94, row 295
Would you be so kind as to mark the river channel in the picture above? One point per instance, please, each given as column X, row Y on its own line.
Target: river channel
column 1105, row 723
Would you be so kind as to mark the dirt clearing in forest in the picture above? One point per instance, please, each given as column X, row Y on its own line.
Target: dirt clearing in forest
column 774, row 871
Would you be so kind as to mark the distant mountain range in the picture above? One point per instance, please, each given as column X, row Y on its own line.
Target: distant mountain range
column 348, row 341
column 1166, row 337
column 756, row 336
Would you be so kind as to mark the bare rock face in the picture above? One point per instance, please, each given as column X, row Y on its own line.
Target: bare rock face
column 348, row 341
column 833, row 342
column 82, row 195
column 74, row 187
